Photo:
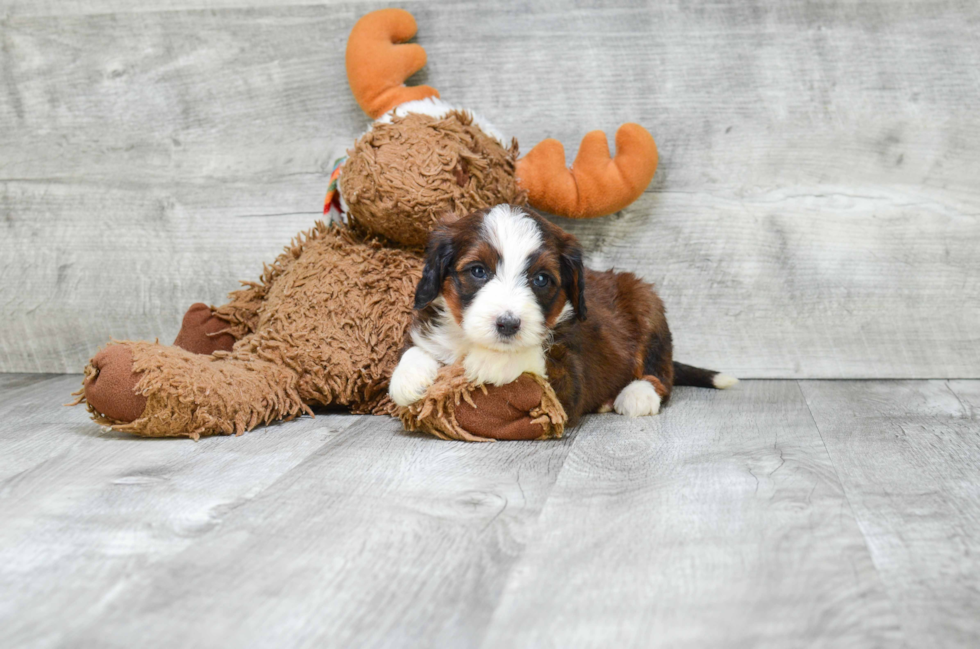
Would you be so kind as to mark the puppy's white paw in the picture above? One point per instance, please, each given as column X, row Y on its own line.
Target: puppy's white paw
column 638, row 399
column 416, row 371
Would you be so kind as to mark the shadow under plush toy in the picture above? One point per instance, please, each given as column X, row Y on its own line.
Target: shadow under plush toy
column 325, row 323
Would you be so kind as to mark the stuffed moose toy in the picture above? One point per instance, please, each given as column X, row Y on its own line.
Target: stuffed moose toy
column 325, row 323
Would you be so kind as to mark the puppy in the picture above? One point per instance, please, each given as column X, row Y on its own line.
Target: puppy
column 504, row 291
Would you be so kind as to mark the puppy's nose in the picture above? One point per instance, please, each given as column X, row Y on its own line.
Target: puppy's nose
column 508, row 325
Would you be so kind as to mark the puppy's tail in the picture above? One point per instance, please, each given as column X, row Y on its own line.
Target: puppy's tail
column 701, row 378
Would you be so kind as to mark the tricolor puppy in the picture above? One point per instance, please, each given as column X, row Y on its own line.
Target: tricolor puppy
column 504, row 292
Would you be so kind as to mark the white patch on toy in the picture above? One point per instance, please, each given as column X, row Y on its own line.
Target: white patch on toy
column 437, row 108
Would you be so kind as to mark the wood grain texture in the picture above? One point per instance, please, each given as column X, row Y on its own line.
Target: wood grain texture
column 13, row 387
column 908, row 455
column 24, row 8
column 157, row 160
column 815, row 213
column 85, row 511
column 332, row 530
column 719, row 523
column 723, row 521
column 380, row 538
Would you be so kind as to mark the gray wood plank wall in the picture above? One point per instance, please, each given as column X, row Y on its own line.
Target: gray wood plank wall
column 816, row 212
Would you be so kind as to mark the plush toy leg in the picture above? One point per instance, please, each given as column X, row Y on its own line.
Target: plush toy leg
column 186, row 394
column 524, row 409
column 110, row 381
column 110, row 384
column 454, row 408
column 202, row 332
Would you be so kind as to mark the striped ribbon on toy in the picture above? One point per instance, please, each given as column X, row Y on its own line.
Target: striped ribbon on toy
column 332, row 201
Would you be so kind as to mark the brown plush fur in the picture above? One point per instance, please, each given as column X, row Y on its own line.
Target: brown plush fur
column 322, row 327
column 325, row 322
column 402, row 177
column 619, row 332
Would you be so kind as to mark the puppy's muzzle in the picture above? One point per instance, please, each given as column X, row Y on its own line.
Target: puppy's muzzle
column 508, row 325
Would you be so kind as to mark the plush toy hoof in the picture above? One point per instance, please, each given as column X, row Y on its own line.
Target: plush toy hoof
column 502, row 413
column 112, row 390
column 199, row 332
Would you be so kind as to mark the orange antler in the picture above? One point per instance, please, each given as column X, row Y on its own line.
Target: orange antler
column 377, row 64
column 596, row 184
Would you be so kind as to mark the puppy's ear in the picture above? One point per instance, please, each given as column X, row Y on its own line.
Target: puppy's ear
column 448, row 218
column 573, row 275
column 439, row 256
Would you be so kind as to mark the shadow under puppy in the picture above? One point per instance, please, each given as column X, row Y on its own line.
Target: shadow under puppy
column 504, row 291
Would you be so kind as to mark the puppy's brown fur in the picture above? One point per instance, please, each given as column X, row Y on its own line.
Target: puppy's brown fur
column 619, row 331
column 625, row 337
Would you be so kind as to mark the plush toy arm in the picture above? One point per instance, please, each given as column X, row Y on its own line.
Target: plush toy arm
column 203, row 332
column 596, row 184
column 454, row 408
column 378, row 61
column 241, row 313
column 155, row 391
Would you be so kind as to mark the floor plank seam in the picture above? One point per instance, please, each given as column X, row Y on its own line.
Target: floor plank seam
column 967, row 409
column 857, row 519
column 534, row 532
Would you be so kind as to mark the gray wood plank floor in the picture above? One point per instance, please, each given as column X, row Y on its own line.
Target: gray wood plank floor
column 778, row 514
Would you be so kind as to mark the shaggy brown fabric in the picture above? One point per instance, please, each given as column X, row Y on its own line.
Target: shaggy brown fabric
column 204, row 333
column 336, row 310
column 400, row 178
column 454, row 408
column 110, row 382
column 324, row 326
column 514, row 411
column 326, row 321
column 191, row 395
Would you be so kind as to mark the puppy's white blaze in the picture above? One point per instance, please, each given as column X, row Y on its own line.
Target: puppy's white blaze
column 514, row 234
column 638, row 399
column 415, row 372
column 484, row 365
column 496, row 299
column 515, row 237
column 722, row 381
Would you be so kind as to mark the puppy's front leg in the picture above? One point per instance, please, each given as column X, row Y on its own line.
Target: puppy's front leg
column 415, row 372
column 565, row 376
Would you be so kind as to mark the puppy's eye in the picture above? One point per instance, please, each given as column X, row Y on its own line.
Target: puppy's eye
column 541, row 280
column 478, row 272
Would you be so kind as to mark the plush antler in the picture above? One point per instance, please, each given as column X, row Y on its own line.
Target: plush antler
column 596, row 184
column 377, row 64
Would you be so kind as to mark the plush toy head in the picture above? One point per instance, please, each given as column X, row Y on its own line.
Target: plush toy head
column 406, row 173
column 423, row 157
